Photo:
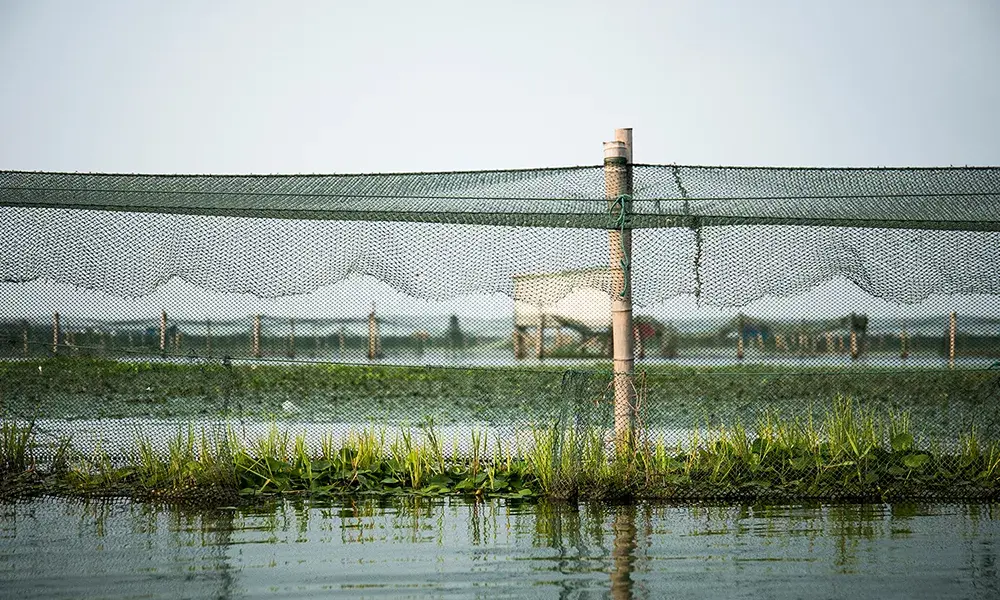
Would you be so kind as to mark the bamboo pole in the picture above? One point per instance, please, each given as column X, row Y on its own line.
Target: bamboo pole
column 374, row 349
column 952, row 323
column 540, row 349
column 618, row 188
column 163, row 332
column 739, row 338
column 519, row 343
column 55, row 333
column 255, row 337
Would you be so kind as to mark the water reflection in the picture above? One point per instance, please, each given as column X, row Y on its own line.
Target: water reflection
column 425, row 547
column 623, row 553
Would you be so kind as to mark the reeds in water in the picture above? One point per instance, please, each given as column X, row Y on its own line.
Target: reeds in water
column 847, row 452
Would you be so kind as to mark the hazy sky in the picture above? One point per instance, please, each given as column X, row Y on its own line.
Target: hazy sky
column 288, row 86
column 292, row 87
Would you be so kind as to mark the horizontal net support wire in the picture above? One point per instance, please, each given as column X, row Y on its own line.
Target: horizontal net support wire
column 664, row 196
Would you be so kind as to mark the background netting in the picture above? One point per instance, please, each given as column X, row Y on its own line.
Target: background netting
column 139, row 305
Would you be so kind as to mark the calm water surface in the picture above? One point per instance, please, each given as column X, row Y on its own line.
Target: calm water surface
column 442, row 548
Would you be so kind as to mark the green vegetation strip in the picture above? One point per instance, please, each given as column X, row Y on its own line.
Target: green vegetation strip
column 849, row 454
column 83, row 387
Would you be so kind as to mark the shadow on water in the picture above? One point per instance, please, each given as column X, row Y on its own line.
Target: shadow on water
column 441, row 547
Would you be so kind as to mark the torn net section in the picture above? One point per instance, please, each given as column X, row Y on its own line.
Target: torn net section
column 726, row 235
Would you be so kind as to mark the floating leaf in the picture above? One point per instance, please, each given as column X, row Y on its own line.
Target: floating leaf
column 901, row 442
column 801, row 462
column 441, row 480
column 915, row 461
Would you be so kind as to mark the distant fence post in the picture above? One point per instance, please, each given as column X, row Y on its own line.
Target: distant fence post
column 291, row 338
column 255, row 337
column 374, row 343
column 24, row 337
column 519, row 344
column 163, row 332
column 55, row 333
column 540, row 350
column 739, row 337
column 208, row 337
column 618, row 189
column 952, row 323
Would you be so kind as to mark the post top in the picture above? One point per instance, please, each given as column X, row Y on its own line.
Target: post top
column 624, row 135
column 615, row 149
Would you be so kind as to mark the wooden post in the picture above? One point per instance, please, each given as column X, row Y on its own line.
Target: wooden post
column 374, row 350
column 24, row 337
column 854, row 344
column 904, row 352
column 739, row 338
column 638, row 344
column 208, row 337
column 340, row 340
column 519, row 350
column 541, row 335
column 291, row 338
column 618, row 189
column 163, row 332
column 952, row 323
column 255, row 337
column 55, row 333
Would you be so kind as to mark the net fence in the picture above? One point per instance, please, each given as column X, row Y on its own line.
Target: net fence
column 797, row 332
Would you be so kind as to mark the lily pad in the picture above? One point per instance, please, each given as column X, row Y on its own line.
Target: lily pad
column 902, row 442
column 915, row 461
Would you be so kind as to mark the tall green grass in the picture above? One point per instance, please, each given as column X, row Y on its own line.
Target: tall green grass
column 846, row 452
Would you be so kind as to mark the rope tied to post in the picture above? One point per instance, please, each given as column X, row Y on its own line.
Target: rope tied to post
column 626, row 261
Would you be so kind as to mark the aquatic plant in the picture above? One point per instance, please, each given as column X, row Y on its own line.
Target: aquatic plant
column 845, row 452
column 15, row 446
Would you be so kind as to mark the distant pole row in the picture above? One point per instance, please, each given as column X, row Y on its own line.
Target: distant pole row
column 623, row 353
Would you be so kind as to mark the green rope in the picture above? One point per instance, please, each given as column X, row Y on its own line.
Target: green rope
column 626, row 260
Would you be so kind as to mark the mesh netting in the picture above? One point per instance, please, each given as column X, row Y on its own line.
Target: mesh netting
column 798, row 332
